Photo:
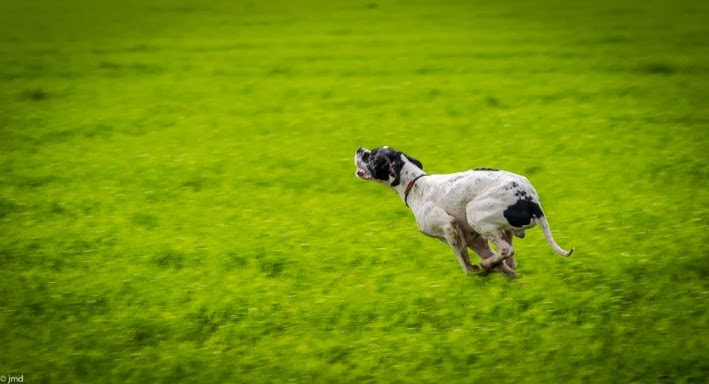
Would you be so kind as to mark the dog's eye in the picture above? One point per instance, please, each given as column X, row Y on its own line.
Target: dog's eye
column 365, row 156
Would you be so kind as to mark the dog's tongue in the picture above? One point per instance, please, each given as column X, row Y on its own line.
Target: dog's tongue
column 361, row 172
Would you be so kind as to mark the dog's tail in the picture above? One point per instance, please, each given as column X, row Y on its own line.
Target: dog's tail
column 547, row 234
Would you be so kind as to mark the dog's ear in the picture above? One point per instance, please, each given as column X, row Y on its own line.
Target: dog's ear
column 379, row 165
column 416, row 162
column 395, row 166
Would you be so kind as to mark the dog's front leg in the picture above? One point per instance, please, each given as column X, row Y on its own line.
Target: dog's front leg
column 438, row 223
column 456, row 239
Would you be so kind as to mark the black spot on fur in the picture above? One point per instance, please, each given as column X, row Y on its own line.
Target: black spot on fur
column 486, row 169
column 522, row 195
column 520, row 213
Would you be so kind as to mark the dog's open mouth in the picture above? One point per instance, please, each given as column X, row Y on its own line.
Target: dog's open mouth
column 360, row 161
column 363, row 174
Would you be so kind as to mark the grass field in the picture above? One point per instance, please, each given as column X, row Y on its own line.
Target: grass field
column 178, row 200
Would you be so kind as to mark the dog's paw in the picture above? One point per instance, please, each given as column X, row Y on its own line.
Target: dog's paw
column 473, row 268
column 509, row 273
column 493, row 261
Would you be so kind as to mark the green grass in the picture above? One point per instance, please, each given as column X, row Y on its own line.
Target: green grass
column 178, row 200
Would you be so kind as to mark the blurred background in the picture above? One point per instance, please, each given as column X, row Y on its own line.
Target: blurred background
column 178, row 200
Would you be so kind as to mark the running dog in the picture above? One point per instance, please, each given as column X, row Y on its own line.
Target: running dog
column 468, row 209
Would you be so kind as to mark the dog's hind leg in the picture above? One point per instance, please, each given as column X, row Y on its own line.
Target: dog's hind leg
column 510, row 261
column 482, row 248
column 504, row 250
column 486, row 221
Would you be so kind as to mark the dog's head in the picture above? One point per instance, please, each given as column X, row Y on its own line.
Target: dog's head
column 382, row 164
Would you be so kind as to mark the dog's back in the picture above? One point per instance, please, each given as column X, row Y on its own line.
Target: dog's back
column 456, row 190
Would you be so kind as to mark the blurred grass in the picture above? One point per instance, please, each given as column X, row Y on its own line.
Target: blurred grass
column 177, row 199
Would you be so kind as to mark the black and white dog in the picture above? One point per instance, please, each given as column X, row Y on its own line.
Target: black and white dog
column 465, row 209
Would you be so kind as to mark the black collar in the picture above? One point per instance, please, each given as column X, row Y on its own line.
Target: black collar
column 410, row 186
